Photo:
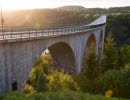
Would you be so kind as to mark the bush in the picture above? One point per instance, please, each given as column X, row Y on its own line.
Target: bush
column 110, row 80
column 28, row 89
column 124, row 55
column 38, row 79
column 116, row 80
column 38, row 76
column 125, row 86
column 60, row 81
column 85, row 84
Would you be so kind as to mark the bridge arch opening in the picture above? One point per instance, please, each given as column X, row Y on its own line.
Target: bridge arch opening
column 63, row 57
column 100, row 44
column 91, row 42
column 90, row 45
column 59, row 56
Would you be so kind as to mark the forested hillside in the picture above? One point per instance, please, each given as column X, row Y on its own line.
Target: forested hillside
column 119, row 25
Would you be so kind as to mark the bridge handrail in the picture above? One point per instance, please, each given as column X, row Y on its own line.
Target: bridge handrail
column 50, row 31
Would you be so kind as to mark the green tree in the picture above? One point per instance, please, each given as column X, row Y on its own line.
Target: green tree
column 125, row 54
column 110, row 57
column 38, row 77
column 90, row 70
column 90, row 65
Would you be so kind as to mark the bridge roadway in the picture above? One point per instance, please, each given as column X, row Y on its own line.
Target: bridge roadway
column 29, row 32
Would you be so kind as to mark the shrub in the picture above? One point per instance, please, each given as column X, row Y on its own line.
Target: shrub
column 38, row 76
column 85, row 84
column 110, row 80
column 125, row 86
column 116, row 80
column 38, row 79
column 125, row 54
column 60, row 81
column 28, row 89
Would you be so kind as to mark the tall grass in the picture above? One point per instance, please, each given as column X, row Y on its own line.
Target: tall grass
column 53, row 96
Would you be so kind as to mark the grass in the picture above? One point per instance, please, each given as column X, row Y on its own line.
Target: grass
column 54, row 96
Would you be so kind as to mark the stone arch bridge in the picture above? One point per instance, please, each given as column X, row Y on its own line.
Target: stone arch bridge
column 21, row 47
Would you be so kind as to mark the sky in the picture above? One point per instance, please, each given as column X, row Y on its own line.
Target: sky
column 32, row 4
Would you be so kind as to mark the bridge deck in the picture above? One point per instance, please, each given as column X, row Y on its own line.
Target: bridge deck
column 29, row 32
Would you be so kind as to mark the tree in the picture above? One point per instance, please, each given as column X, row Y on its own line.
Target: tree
column 91, row 70
column 90, row 65
column 110, row 57
column 38, row 77
column 124, row 55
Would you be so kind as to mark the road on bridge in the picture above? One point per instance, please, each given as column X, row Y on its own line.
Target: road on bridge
column 28, row 32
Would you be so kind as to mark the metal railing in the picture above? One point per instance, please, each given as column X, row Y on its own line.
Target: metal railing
column 29, row 32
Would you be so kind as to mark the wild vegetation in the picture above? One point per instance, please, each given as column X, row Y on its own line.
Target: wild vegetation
column 109, row 76
column 112, row 73
column 54, row 96
column 44, row 78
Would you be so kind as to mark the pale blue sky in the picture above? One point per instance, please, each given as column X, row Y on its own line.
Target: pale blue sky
column 95, row 3
column 30, row 4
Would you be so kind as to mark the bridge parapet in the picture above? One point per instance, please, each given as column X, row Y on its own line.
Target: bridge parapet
column 28, row 32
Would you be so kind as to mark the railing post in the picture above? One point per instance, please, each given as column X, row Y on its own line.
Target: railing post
column 57, row 29
column 36, row 31
column 22, row 32
column 53, row 31
column 47, row 30
column 3, row 33
column 65, row 29
column 42, row 30
column 11, row 33
column 29, row 31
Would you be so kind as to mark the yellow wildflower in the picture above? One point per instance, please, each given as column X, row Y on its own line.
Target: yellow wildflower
column 109, row 93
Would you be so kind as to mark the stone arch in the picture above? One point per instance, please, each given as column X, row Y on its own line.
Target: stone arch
column 63, row 57
column 100, row 43
column 91, row 41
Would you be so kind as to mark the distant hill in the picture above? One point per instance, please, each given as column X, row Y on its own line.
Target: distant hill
column 71, row 7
